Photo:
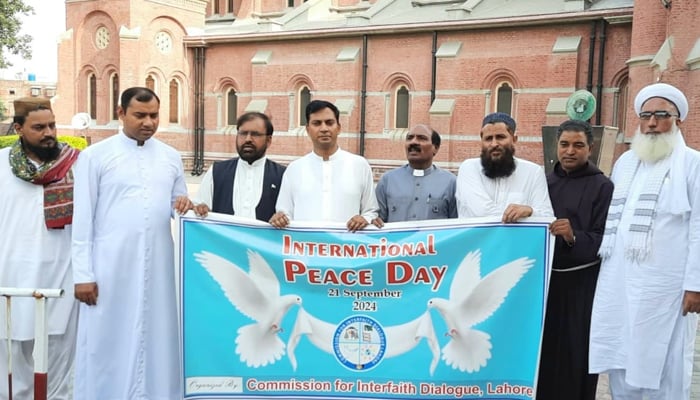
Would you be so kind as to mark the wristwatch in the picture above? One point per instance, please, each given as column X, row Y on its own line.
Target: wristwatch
column 572, row 242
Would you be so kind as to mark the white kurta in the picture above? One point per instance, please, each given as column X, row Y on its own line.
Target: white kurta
column 637, row 306
column 481, row 196
column 334, row 190
column 32, row 256
column 128, row 347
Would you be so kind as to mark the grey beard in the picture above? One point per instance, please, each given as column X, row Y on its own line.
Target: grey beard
column 652, row 148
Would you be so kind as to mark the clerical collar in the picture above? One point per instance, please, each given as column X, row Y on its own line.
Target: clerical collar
column 132, row 141
column 421, row 172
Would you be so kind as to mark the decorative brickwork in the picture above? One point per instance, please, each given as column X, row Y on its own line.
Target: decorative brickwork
column 300, row 46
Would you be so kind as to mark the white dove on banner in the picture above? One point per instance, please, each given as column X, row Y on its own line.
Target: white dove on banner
column 400, row 339
column 473, row 300
column 255, row 294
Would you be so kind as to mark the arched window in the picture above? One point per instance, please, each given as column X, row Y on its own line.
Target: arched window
column 92, row 96
column 151, row 83
column 174, row 102
column 115, row 95
column 231, row 107
column 401, row 107
column 504, row 98
column 304, row 100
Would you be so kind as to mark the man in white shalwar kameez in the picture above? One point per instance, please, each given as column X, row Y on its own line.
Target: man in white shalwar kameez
column 36, row 210
column 126, row 189
column 328, row 184
column 644, row 323
column 497, row 184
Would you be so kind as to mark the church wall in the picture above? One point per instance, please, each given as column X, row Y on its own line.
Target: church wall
column 522, row 56
column 653, row 24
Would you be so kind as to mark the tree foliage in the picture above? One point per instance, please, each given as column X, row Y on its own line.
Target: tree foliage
column 10, row 24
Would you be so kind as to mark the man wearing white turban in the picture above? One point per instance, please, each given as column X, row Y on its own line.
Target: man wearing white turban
column 648, row 294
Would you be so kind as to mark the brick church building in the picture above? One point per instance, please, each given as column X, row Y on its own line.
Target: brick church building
column 387, row 64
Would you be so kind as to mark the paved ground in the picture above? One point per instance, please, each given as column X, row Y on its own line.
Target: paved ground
column 604, row 391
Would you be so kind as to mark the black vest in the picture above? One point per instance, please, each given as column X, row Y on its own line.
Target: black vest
column 224, row 173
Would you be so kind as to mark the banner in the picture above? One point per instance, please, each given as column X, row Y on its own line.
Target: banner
column 448, row 309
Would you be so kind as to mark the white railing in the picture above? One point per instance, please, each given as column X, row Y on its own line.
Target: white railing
column 41, row 335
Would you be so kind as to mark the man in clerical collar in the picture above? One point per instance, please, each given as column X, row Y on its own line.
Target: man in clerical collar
column 36, row 176
column 248, row 185
column 419, row 190
column 127, row 187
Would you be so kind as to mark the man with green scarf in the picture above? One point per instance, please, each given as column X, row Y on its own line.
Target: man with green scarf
column 36, row 213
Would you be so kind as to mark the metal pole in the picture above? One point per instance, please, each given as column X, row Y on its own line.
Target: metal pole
column 22, row 292
column 41, row 336
column 8, row 326
column 41, row 349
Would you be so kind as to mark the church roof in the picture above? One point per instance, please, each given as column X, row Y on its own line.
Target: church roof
column 322, row 17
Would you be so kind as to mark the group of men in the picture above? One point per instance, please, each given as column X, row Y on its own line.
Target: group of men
column 625, row 287
column 96, row 224
column 639, row 306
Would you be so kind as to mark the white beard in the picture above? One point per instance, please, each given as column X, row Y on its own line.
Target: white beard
column 652, row 148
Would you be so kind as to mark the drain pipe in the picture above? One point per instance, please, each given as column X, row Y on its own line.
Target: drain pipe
column 198, row 162
column 591, row 55
column 363, row 95
column 433, row 76
column 601, row 63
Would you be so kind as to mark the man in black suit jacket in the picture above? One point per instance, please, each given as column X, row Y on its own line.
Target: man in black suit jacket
column 249, row 188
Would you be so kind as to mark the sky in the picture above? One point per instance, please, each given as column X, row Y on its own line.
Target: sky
column 45, row 26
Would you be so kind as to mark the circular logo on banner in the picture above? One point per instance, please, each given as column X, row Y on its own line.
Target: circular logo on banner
column 359, row 343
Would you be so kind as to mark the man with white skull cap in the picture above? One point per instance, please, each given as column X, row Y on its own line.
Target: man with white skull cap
column 648, row 294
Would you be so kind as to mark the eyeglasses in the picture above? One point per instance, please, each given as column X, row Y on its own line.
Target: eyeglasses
column 659, row 114
column 253, row 134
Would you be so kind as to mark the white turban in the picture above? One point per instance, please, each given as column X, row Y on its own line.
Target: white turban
column 664, row 91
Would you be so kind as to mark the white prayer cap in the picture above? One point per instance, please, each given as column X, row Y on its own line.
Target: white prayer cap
column 664, row 91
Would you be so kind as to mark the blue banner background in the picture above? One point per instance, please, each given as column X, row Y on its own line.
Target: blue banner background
column 210, row 321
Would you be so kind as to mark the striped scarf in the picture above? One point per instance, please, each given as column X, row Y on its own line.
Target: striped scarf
column 57, row 178
column 640, row 230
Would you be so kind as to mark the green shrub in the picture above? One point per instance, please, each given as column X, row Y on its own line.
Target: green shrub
column 75, row 141
column 6, row 141
column 78, row 142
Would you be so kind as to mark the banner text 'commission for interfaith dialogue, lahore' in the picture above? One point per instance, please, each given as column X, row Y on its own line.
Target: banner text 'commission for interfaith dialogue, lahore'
column 448, row 310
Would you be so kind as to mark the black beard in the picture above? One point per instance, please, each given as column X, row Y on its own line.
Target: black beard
column 250, row 157
column 44, row 153
column 500, row 168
